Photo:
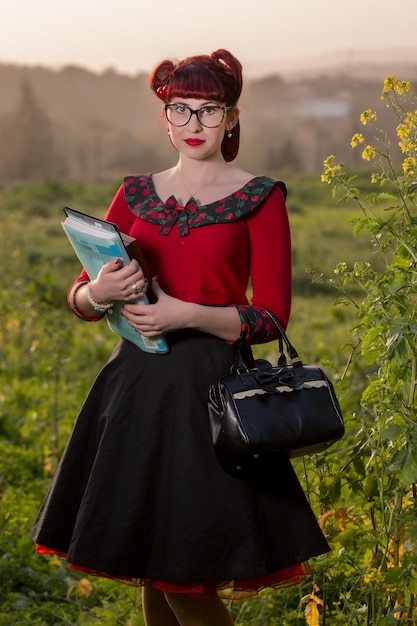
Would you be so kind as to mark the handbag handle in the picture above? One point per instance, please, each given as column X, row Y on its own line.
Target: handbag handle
column 283, row 338
column 244, row 356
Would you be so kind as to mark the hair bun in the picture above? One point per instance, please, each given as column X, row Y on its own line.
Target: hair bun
column 160, row 78
column 227, row 62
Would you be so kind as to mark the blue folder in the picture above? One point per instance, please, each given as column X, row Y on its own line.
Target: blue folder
column 96, row 242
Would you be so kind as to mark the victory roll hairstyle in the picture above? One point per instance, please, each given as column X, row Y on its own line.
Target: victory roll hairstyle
column 215, row 77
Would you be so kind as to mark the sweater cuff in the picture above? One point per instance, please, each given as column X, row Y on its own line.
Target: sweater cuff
column 255, row 325
column 72, row 303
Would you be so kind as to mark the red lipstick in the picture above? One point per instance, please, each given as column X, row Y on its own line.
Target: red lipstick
column 194, row 142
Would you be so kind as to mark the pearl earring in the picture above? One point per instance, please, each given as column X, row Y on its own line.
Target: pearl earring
column 229, row 134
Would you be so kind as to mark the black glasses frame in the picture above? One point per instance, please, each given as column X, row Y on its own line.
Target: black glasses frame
column 196, row 112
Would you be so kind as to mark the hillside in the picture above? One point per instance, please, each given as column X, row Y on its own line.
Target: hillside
column 98, row 126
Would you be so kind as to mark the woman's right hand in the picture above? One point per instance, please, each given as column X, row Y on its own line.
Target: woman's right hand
column 125, row 283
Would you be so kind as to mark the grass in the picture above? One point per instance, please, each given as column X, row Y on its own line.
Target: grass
column 44, row 349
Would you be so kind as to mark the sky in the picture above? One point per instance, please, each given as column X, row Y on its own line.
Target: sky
column 132, row 36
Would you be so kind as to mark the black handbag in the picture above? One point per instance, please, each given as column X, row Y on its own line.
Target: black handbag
column 259, row 409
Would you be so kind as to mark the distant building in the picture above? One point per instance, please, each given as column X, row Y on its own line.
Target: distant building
column 321, row 108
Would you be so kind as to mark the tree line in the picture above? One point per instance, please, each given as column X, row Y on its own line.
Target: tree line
column 87, row 131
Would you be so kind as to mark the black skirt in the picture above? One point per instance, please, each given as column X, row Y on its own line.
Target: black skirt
column 140, row 494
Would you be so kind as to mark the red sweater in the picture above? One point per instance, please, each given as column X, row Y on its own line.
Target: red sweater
column 211, row 254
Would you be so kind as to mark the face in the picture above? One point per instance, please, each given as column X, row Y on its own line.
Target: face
column 194, row 139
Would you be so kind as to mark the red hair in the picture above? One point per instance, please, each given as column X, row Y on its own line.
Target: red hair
column 208, row 77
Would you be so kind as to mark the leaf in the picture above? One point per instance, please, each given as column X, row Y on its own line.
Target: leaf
column 387, row 196
column 409, row 470
column 401, row 262
column 391, row 432
column 330, row 488
column 360, row 224
column 393, row 575
column 312, row 614
column 369, row 348
column 342, row 518
column 311, row 597
column 325, row 517
column 412, row 583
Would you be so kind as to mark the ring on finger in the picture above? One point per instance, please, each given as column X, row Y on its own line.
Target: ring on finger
column 139, row 290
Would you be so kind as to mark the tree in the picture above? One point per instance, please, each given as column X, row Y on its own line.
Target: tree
column 27, row 151
column 284, row 158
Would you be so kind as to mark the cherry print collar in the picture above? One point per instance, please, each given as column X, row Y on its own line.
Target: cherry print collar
column 145, row 203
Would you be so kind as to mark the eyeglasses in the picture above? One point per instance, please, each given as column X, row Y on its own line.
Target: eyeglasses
column 209, row 116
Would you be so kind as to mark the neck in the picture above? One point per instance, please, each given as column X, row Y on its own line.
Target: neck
column 198, row 171
column 207, row 176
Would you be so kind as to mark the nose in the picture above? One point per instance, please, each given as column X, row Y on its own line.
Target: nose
column 194, row 122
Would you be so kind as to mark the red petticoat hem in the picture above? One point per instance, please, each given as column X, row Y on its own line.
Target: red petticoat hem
column 228, row 589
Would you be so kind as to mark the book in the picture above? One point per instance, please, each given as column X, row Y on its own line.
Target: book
column 96, row 242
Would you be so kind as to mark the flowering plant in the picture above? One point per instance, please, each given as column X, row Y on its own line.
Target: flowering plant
column 377, row 549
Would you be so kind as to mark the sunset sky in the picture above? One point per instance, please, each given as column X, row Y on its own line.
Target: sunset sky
column 133, row 35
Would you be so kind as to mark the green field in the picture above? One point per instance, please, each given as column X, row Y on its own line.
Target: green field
column 48, row 361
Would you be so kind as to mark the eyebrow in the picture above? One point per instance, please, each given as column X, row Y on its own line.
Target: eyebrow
column 208, row 103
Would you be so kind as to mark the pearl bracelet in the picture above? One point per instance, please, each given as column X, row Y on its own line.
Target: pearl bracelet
column 103, row 308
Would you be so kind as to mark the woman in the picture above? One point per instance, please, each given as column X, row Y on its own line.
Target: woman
column 139, row 495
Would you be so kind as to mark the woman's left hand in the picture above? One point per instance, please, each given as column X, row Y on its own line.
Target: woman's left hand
column 167, row 314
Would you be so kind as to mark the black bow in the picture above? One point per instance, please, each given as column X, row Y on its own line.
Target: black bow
column 270, row 379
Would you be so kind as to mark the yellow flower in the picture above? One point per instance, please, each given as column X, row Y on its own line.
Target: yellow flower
column 84, row 588
column 340, row 268
column 388, row 84
column 48, row 466
column 374, row 576
column 403, row 131
column 374, row 178
column 368, row 116
column 369, row 153
column 393, row 84
column 407, row 145
column 411, row 119
column 357, row 139
column 331, row 170
column 402, row 87
column 406, row 131
column 410, row 165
